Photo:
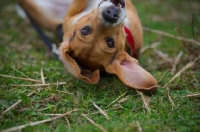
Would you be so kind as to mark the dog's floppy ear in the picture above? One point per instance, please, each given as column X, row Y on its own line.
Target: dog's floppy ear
column 91, row 77
column 131, row 74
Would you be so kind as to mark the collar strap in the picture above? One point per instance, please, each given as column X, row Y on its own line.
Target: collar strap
column 130, row 40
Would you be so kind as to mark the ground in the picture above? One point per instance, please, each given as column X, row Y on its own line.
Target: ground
column 175, row 106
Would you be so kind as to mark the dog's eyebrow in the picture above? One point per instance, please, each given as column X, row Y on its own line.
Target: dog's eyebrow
column 74, row 34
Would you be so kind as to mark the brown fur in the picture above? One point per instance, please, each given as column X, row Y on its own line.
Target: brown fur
column 86, row 56
column 90, row 53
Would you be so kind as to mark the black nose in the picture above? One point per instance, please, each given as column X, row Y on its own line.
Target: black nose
column 111, row 14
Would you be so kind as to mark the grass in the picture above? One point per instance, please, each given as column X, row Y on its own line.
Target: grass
column 21, row 51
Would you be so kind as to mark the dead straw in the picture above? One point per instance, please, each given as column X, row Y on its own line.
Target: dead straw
column 100, row 110
column 177, row 59
column 116, row 99
column 146, row 105
column 38, row 85
column 192, row 95
column 19, row 128
column 152, row 46
column 97, row 125
column 20, row 72
column 42, row 76
column 164, row 56
column 172, row 36
column 170, row 99
column 69, row 128
column 15, row 104
column 24, row 79
column 139, row 126
column 189, row 65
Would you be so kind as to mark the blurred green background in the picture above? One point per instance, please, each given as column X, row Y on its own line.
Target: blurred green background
column 23, row 53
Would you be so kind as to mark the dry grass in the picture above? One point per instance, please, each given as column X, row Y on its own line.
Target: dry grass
column 35, row 87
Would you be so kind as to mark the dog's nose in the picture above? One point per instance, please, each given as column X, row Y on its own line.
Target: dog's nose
column 111, row 14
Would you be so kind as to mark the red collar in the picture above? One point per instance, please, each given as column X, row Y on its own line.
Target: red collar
column 130, row 39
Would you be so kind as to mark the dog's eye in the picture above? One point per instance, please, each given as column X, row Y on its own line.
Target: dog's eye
column 86, row 30
column 110, row 42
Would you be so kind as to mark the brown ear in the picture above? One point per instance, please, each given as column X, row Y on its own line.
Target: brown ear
column 71, row 65
column 131, row 74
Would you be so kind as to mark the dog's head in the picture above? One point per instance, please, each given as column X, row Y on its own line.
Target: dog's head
column 97, row 42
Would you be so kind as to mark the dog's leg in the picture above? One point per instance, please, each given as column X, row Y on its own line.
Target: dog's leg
column 48, row 14
column 76, row 7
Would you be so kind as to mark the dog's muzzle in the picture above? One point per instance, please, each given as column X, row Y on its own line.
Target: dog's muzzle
column 112, row 12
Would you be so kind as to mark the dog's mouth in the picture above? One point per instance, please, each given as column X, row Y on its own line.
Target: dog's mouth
column 112, row 12
column 118, row 3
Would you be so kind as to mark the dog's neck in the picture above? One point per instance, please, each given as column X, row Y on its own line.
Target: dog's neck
column 130, row 40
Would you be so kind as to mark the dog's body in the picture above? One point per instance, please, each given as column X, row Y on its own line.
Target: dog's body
column 47, row 13
column 94, row 41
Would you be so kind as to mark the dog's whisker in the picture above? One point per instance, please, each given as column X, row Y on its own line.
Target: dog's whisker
column 141, row 18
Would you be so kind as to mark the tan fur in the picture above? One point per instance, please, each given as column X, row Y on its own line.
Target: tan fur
column 91, row 53
column 47, row 18
column 135, row 27
column 86, row 56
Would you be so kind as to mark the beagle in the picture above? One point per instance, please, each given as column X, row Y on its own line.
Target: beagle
column 99, row 36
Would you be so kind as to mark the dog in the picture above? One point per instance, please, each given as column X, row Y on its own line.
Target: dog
column 99, row 36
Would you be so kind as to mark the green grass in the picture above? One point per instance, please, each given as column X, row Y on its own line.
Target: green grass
column 21, row 48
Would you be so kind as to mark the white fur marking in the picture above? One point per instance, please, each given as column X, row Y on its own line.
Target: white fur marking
column 126, row 22
column 91, row 5
column 107, row 4
column 55, row 8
